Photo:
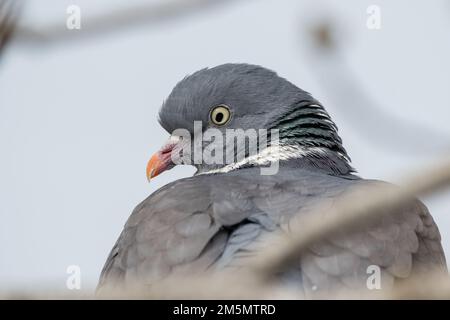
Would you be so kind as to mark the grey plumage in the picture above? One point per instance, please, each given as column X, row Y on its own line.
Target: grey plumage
column 216, row 221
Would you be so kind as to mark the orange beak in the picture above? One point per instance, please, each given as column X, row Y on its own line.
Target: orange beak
column 160, row 161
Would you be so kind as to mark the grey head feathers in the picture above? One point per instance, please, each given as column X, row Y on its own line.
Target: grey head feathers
column 254, row 93
column 258, row 99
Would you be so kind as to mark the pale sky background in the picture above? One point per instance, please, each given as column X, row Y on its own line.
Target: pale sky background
column 78, row 120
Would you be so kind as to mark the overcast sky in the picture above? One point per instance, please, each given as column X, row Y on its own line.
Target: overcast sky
column 78, row 120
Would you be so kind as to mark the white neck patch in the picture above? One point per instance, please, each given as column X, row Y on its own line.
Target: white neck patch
column 269, row 155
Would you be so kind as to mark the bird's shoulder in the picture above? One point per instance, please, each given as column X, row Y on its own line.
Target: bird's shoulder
column 196, row 222
column 191, row 219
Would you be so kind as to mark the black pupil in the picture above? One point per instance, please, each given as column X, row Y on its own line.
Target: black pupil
column 219, row 117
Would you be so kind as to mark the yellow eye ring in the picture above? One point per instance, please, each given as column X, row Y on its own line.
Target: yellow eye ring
column 220, row 115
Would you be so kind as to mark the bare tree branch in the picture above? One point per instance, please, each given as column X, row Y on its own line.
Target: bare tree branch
column 349, row 210
column 363, row 112
column 114, row 21
column 9, row 13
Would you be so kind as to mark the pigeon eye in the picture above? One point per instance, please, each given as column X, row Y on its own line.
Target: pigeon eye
column 220, row 115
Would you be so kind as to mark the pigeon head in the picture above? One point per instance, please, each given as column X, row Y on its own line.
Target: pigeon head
column 215, row 114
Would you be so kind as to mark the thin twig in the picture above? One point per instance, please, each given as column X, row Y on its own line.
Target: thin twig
column 360, row 107
column 9, row 13
column 349, row 210
column 113, row 21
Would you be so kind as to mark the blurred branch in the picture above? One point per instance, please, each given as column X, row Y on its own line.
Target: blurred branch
column 349, row 211
column 114, row 21
column 363, row 113
column 210, row 286
column 9, row 13
column 426, row 287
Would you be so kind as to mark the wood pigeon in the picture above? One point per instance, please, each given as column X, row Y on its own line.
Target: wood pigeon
column 215, row 220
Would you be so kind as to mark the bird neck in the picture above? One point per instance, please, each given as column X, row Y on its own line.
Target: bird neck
column 307, row 138
column 306, row 126
column 294, row 156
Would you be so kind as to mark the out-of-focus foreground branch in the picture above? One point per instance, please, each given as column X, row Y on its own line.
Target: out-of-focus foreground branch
column 348, row 211
column 9, row 13
column 113, row 21
column 326, row 57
